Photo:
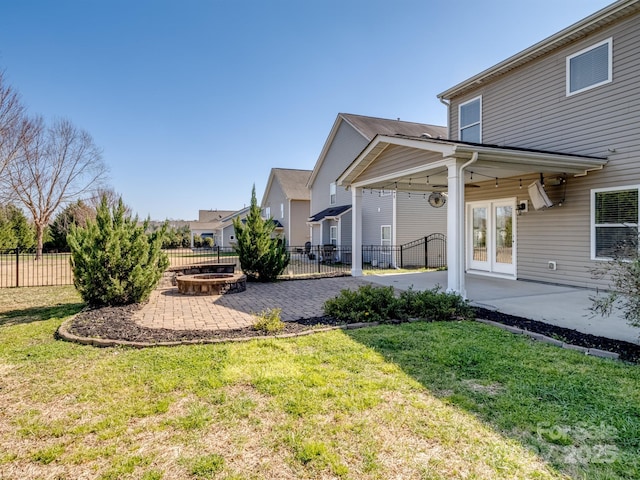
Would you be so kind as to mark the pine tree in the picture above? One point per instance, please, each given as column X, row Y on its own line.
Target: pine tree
column 262, row 257
column 114, row 261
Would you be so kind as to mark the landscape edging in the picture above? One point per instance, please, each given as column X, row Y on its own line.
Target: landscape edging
column 595, row 352
column 64, row 333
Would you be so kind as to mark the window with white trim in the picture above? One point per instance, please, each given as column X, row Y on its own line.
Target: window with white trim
column 282, row 210
column 385, row 193
column 267, row 212
column 333, row 235
column 470, row 121
column 385, row 235
column 614, row 220
column 332, row 194
column 590, row 68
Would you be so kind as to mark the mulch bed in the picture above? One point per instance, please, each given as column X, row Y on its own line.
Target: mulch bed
column 114, row 323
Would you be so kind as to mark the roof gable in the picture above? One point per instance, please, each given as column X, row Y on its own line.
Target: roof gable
column 293, row 183
column 369, row 127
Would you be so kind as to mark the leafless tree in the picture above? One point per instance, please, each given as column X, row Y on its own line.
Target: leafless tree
column 12, row 126
column 113, row 199
column 55, row 165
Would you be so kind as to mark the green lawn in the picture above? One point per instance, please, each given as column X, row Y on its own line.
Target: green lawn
column 421, row 400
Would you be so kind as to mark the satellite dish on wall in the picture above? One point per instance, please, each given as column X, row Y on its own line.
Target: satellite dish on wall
column 437, row 200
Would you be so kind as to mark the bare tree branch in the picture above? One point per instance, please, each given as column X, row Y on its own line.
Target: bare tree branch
column 54, row 166
column 12, row 123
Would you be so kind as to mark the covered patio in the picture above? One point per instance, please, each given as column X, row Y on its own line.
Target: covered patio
column 418, row 164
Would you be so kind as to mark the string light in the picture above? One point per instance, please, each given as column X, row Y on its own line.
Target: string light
column 496, row 182
column 471, row 175
column 520, row 184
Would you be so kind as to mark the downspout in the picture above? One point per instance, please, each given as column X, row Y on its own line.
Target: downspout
column 461, row 223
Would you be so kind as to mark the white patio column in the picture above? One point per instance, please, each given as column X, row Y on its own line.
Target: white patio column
column 356, row 232
column 455, row 229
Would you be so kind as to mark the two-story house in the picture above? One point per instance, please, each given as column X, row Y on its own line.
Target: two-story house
column 541, row 161
column 388, row 217
column 286, row 201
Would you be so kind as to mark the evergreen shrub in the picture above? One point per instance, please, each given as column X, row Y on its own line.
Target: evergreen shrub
column 114, row 261
column 262, row 255
column 379, row 304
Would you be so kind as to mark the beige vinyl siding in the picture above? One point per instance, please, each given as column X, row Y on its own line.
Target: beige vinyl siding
column 228, row 236
column 299, row 230
column 372, row 219
column 315, row 237
column 274, row 199
column 346, row 145
column 416, row 218
column 344, row 232
column 560, row 233
column 529, row 108
column 393, row 156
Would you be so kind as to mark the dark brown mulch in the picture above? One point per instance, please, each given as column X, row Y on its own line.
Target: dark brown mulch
column 627, row 351
column 114, row 323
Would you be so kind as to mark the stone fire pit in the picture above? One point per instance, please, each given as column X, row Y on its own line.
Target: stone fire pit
column 211, row 283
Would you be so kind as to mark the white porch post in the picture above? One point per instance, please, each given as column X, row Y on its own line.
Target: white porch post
column 455, row 229
column 356, row 232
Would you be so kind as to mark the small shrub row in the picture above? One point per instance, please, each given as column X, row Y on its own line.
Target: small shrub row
column 379, row 304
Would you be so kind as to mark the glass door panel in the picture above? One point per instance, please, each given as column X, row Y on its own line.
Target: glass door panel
column 504, row 234
column 480, row 234
column 491, row 236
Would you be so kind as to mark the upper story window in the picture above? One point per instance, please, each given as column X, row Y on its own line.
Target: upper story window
column 470, row 121
column 614, row 222
column 332, row 194
column 282, row 210
column 590, row 68
column 267, row 212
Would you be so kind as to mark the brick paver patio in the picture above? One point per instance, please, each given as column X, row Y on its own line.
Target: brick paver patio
column 297, row 299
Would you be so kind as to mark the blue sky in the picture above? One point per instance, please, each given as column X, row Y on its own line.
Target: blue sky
column 193, row 101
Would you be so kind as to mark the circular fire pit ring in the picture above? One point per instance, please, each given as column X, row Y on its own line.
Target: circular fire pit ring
column 211, row 283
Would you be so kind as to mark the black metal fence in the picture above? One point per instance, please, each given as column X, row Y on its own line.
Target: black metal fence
column 426, row 252
column 21, row 268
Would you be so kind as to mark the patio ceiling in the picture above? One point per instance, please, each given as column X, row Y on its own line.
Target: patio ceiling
column 420, row 164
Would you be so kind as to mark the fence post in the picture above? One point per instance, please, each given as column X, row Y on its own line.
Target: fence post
column 426, row 252
column 218, row 249
column 401, row 256
column 318, row 257
column 17, row 266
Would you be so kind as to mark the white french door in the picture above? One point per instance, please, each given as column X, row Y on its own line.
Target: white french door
column 491, row 236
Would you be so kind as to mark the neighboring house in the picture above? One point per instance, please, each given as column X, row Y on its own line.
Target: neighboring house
column 541, row 164
column 216, row 224
column 388, row 218
column 286, row 201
